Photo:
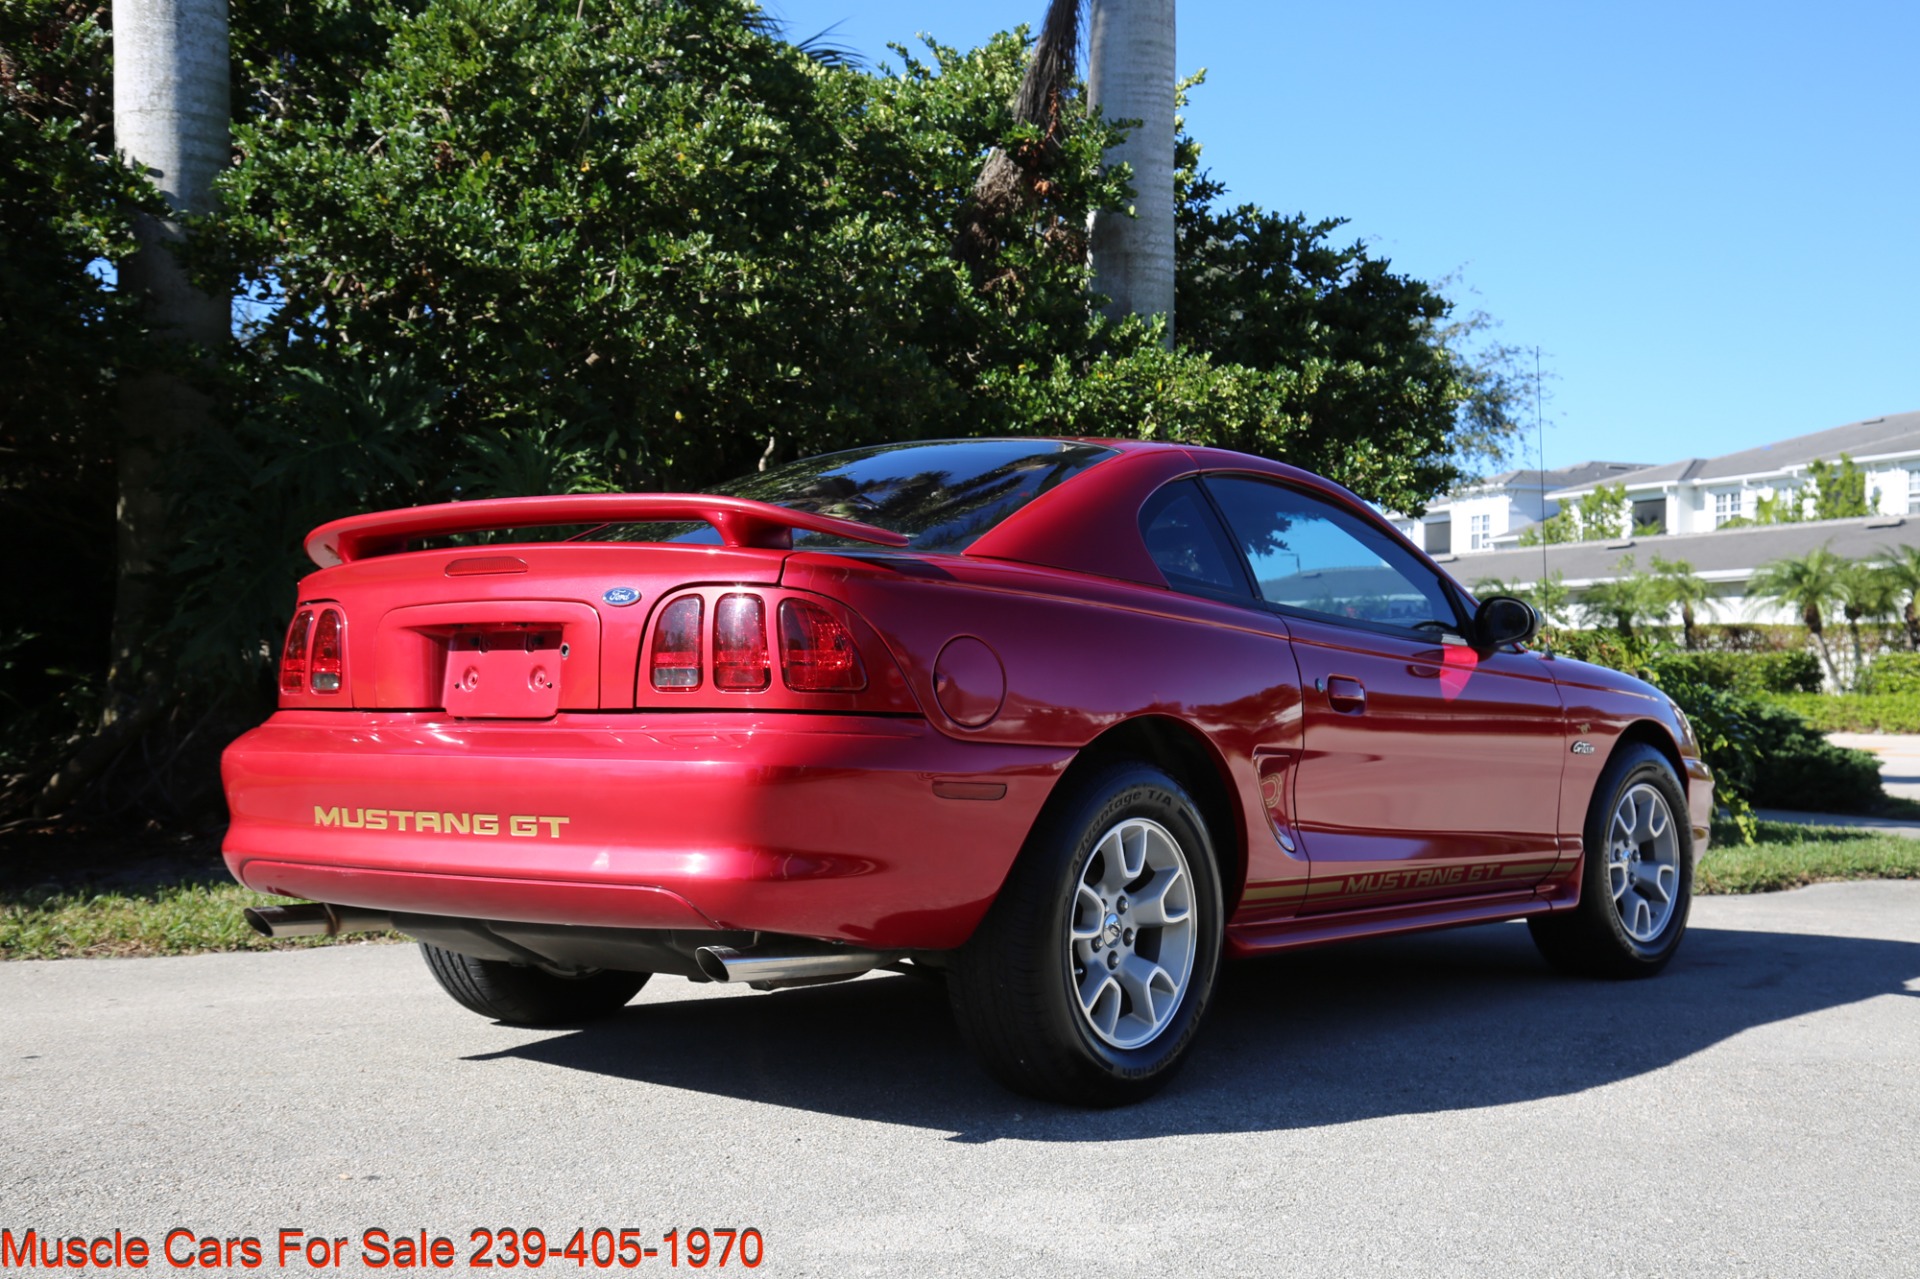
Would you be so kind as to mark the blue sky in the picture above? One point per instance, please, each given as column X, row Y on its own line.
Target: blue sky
column 1706, row 215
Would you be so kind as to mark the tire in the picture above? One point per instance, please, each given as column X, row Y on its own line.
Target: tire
column 1019, row 986
column 1629, row 921
column 527, row 996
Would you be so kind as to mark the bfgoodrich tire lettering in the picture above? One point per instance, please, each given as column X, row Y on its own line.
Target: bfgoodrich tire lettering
column 528, row 996
column 1636, row 874
column 1088, row 979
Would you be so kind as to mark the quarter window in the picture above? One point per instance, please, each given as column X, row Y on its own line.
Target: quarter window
column 1187, row 544
column 1310, row 555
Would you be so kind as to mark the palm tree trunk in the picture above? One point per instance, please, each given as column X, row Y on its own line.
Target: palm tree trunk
column 1686, row 623
column 171, row 117
column 1130, row 76
column 1818, row 631
column 1913, row 625
column 1006, row 186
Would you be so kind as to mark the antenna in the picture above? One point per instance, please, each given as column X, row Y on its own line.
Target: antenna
column 1540, row 446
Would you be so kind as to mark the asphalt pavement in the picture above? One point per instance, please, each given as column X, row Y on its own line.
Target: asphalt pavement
column 1435, row 1105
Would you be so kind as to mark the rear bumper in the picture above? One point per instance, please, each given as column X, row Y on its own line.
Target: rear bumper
column 832, row 826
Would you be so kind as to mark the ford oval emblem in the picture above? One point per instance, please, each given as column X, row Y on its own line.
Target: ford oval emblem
column 621, row 596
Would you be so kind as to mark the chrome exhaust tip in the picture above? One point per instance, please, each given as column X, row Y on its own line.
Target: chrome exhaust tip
column 788, row 964
column 315, row 919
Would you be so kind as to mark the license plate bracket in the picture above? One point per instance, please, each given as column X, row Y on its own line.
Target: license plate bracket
column 504, row 674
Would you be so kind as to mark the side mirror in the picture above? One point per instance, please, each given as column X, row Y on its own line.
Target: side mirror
column 1502, row 619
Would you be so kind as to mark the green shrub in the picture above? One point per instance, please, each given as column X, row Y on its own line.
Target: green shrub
column 1748, row 673
column 1760, row 747
column 1799, row 768
column 1855, row 712
column 1601, row 647
column 1889, row 673
column 1749, row 637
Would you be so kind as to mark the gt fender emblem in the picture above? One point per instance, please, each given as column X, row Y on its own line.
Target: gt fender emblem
column 1583, row 748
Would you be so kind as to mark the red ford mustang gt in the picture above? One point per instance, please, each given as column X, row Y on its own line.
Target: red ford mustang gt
column 1066, row 719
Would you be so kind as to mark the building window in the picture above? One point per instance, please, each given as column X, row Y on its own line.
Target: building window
column 1479, row 532
column 1726, row 506
column 1440, row 537
column 1650, row 516
column 1913, row 491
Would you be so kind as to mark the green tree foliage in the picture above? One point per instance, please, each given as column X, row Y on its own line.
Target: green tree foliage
column 1783, row 506
column 1596, row 517
column 1551, row 595
column 507, row 247
column 66, row 340
column 1902, row 567
column 1866, row 593
column 1629, row 601
column 1839, row 489
column 1676, row 585
column 1808, row 585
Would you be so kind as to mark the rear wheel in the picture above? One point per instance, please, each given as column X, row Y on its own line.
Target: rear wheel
column 1087, row 980
column 1636, row 878
column 526, row 995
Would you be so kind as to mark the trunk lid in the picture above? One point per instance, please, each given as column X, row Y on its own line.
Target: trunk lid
column 517, row 632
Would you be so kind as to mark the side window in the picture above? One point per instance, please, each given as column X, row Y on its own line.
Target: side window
column 1185, row 539
column 1309, row 554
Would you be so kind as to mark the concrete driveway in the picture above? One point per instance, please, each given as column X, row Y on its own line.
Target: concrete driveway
column 1439, row 1105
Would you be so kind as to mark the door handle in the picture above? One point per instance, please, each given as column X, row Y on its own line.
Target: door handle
column 1345, row 693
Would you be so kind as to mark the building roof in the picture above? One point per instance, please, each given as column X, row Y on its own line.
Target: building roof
column 1892, row 433
column 1580, row 473
column 1725, row 553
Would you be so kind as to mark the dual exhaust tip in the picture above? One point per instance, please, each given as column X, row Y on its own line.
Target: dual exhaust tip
column 786, row 962
column 316, row 919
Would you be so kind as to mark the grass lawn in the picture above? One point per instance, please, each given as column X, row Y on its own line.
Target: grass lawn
column 175, row 919
column 1785, row 855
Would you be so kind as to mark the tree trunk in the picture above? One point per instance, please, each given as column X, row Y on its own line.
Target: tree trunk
column 1816, row 629
column 171, row 117
column 1130, row 76
column 1686, row 623
column 1006, row 186
column 1913, row 625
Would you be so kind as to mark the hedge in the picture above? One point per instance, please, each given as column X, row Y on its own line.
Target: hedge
column 1855, row 712
column 1750, row 673
column 1762, row 750
column 1889, row 673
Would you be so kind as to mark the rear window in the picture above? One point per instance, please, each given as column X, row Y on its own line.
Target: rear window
column 943, row 495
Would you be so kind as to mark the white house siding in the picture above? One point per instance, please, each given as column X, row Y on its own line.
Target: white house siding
column 1727, row 559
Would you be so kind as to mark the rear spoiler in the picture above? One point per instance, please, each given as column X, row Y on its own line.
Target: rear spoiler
column 739, row 522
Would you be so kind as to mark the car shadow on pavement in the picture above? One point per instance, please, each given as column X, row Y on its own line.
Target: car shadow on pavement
column 1435, row 1022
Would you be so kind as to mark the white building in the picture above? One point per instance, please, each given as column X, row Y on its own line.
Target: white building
column 1476, row 531
column 1699, row 495
column 1491, row 513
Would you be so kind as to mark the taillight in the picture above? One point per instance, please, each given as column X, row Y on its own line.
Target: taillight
column 740, row 644
column 817, row 655
column 676, row 645
column 324, row 665
column 293, row 658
